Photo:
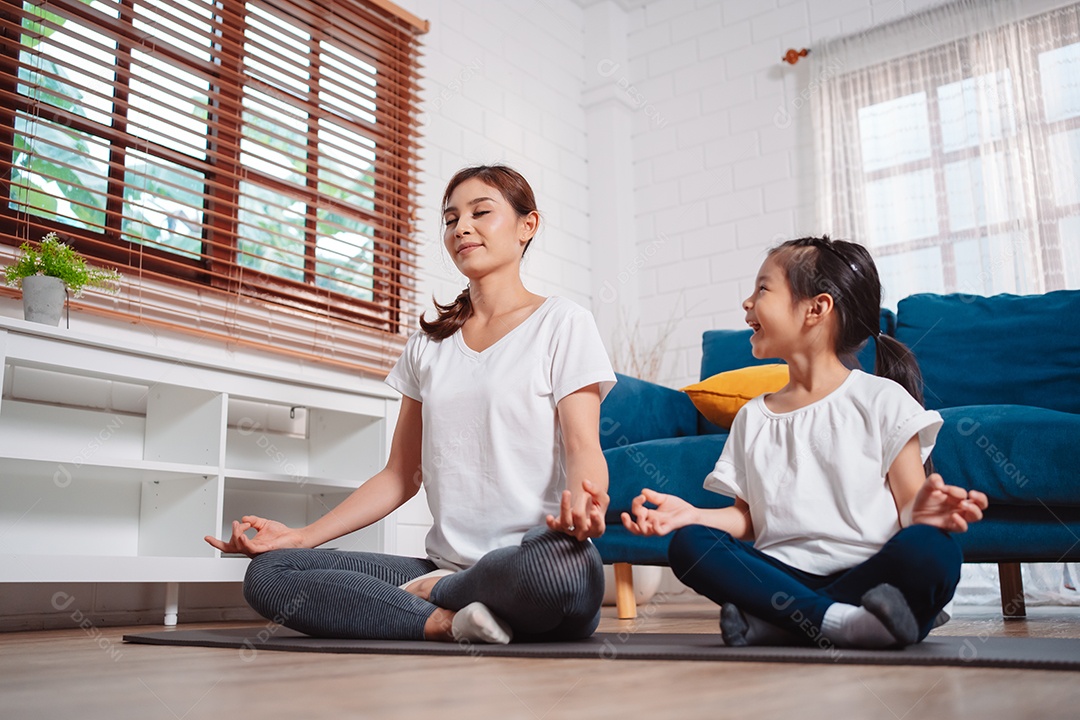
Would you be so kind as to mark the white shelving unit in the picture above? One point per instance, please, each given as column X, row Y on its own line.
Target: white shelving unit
column 90, row 493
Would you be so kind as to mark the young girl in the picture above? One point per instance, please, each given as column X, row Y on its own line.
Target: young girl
column 499, row 421
column 837, row 536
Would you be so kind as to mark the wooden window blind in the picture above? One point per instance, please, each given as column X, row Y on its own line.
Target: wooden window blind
column 250, row 167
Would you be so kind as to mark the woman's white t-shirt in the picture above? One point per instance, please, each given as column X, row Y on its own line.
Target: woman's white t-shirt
column 493, row 463
column 814, row 478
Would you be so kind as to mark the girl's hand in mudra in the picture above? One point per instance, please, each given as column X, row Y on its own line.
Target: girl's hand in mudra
column 670, row 513
column 269, row 535
column 584, row 521
column 948, row 507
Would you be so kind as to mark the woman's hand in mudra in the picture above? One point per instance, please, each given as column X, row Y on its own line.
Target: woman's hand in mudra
column 586, row 519
column 269, row 535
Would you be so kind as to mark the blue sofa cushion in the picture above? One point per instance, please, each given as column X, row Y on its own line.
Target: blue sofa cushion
column 723, row 350
column 1006, row 349
column 637, row 410
column 1028, row 534
column 618, row 545
column 676, row 465
column 1017, row 455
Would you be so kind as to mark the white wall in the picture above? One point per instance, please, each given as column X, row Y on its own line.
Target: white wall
column 717, row 155
column 722, row 151
column 502, row 83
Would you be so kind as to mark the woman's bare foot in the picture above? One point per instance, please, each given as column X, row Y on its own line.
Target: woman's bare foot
column 421, row 586
column 439, row 626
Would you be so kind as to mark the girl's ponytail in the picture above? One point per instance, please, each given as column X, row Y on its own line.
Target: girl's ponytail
column 451, row 317
column 893, row 360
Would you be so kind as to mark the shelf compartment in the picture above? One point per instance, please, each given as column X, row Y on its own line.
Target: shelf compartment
column 181, row 426
column 295, row 508
column 184, row 425
column 344, row 449
column 176, row 515
column 108, row 512
column 69, row 435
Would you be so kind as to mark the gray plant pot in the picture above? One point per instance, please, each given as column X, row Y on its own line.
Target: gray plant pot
column 43, row 299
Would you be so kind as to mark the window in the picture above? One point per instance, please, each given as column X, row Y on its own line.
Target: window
column 959, row 165
column 250, row 163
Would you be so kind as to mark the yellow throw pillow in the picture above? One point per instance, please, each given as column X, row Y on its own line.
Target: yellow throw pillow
column 719, row 397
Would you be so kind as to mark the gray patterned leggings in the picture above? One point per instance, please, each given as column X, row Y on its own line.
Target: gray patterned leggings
column 548, row 588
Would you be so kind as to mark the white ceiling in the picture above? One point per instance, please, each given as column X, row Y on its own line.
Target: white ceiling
column 624, row 4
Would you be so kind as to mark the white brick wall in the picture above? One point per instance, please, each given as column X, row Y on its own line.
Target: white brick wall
column 502, row 83
column 721, row 178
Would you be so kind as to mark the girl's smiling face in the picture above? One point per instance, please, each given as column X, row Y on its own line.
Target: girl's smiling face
column 772, row 314
column 483, row 231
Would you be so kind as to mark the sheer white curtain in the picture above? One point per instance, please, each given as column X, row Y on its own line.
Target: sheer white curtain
column 948, row 142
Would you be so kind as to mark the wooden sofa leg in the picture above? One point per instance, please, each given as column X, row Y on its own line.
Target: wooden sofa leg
column 1012, row 590
column 625, row 604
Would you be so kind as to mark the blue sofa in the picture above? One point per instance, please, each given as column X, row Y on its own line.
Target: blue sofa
column 1003, row 371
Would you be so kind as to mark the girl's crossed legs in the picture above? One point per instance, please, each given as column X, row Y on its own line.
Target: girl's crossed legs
column 921, row 561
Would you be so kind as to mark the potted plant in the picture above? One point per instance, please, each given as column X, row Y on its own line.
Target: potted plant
column 47, row 272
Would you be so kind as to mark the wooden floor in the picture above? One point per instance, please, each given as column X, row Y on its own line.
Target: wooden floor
column 90, row 674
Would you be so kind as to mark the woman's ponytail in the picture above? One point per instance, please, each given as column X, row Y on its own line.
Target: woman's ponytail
column 451, row 317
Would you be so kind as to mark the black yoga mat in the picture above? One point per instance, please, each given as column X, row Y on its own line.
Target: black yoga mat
column 961, row 651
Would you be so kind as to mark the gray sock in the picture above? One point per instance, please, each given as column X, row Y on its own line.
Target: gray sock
column 733, row 626
column 890, row 606
column 740, row 629
column 884, row 620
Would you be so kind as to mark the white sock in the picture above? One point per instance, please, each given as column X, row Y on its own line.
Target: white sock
column 476, row 623
column 855, row 627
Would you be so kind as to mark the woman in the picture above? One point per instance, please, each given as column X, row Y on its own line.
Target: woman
column 499, row 421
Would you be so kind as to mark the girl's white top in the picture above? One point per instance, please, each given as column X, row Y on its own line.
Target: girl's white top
column 494, row 464
column 814, row 478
